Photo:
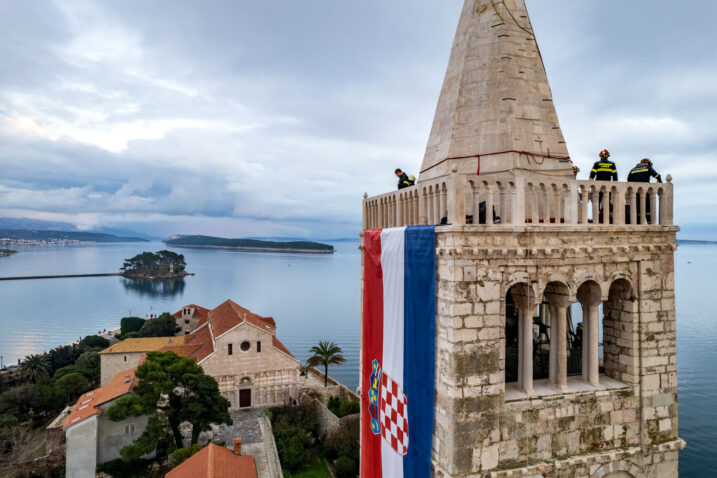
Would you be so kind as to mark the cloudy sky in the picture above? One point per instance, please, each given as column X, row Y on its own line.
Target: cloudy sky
column 270, row 117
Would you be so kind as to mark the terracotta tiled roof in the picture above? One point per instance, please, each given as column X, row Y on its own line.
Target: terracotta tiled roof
column 229, row 314
column 201, row 337
column 184, row 350
column 278, row 345
column 143, row 344
column 216, row 462
column 88, row 404
column 220, row 320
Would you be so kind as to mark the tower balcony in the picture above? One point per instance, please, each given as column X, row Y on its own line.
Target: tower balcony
column 522, row 202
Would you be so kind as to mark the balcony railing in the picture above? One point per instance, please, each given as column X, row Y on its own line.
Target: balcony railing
column 458, row 199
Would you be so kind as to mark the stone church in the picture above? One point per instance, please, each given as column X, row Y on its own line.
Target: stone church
column 555, row 297
column 241, row 351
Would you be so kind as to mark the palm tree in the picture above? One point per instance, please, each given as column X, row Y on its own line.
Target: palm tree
column 324, row 354
column 36, row 367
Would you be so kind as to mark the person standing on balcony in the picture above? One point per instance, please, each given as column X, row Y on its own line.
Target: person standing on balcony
column 604, row 169
column 576, row 170
column 404, row 180
column 642, row 173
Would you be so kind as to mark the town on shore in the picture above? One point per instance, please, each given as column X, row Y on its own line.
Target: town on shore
column 162, row 396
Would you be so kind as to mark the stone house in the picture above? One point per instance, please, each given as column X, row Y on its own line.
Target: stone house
column 241, row 351
column 91, row 437
column 189, row 317
column 127, row 354
column 520, row 389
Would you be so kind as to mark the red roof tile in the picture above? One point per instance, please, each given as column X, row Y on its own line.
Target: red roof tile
column 216, row 462
column 185, row 350
column 229, row 314
column 201, row 337
column 88, row 404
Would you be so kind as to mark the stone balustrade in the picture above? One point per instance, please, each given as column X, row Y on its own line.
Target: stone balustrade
column 458, row 199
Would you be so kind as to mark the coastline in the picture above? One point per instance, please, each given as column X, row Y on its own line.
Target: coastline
column 256, row 249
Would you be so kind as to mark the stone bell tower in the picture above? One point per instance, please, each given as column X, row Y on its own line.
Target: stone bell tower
column 555, row 347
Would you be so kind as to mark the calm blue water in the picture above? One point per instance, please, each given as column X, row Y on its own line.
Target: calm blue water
column 312, row 298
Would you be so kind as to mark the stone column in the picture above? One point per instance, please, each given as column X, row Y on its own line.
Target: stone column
column 559, row 304
column 525, row 302
column 590, row 296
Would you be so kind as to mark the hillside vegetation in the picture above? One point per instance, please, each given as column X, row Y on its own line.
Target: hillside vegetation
column 247, row 244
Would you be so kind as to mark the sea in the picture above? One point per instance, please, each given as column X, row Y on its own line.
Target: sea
column 312, row 298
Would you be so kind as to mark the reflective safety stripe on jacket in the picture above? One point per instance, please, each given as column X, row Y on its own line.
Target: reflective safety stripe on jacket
column 604, row 171
column 642, row 174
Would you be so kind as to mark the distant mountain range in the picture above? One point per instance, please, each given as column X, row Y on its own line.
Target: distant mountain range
column 19, row 235
column 249, row 244
column 28, row 224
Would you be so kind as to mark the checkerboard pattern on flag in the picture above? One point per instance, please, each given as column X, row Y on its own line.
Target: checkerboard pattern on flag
column 398, row 352
column 394, row 415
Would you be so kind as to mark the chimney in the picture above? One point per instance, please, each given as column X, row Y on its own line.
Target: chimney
column 237, row 446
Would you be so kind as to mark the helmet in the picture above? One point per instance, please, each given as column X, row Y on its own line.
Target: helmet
column 646, row 161
column 604, row 153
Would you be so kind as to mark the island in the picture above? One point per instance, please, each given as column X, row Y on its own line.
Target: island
column 252, row 245
column 159, row 265
column 6, row 252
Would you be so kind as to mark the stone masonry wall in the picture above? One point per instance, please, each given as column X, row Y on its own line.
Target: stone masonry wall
column 475, row 432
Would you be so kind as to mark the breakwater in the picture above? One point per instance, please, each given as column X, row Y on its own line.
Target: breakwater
column 63, row 276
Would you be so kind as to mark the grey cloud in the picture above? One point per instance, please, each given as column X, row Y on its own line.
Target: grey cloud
column 259, row 118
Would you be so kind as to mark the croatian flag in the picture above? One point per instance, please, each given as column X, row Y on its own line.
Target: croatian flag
column 399, row 350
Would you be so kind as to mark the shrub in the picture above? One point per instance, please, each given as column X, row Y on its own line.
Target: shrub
column 294, row 447
column 122, row 469
column 348, row 408
column 130, row 324
column 343, row 440
column 182, row 454
column 346, row 468
column 334, row 404
column 163, row 326
column 93, row 342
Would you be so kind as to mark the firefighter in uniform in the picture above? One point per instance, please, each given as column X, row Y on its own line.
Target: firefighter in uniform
column 642, row 173
column 404, row 180
column 604, row 170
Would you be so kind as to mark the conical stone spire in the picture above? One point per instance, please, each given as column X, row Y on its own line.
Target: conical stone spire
column 495, row 103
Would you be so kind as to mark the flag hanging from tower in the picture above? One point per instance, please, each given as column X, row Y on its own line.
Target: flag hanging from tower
column 399, row 351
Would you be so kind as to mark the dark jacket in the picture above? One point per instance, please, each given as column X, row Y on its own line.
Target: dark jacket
column 642, row 174
column 404, row 182
column 604, row 170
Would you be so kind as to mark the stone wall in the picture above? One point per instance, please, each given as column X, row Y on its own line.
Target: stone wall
column 113, row 436
column 272, row 455
column 81, row 454
column 113, row 363
column 477, row 431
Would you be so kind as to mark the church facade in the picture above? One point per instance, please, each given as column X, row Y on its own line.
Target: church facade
column 555, row 318
column 241, row 351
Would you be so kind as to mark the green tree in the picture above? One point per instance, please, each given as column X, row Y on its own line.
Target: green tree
column 163, row 326
column 93, row 342
column 326, row 353
column 88, row 364
column 172, row 390
column 151, row 263
column 73, row 384
column 21, row 401
column 36, row 367
column 66, row 370
column 130, row 324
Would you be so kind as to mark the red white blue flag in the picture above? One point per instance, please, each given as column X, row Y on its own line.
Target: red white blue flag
column 399, row 351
